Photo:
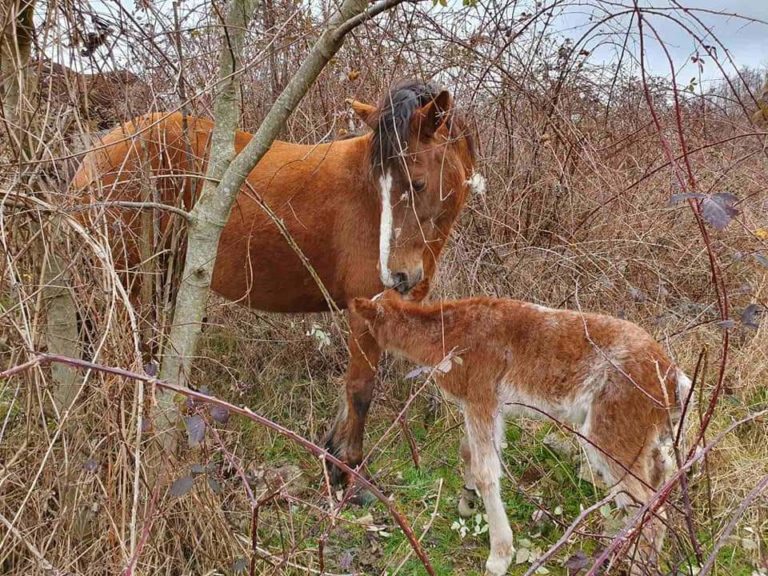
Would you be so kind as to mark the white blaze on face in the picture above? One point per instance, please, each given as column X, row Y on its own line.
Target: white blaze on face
column 477, row 183
column 385, row 228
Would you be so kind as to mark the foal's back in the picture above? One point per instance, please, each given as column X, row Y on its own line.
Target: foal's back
column 567, row 358
column 559, row 356
column 604, row 377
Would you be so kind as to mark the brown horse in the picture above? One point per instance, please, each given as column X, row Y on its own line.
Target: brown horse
column 368, row 212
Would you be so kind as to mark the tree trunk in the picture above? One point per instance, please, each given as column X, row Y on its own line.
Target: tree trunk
column 15, row 52
column 224, row 178
column 61, row 312
column 206, row 219
column 61, row 332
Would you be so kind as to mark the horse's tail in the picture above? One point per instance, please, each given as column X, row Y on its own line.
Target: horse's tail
column 111, row 152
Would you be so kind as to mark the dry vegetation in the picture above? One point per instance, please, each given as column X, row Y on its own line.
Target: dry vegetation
column 582, row 160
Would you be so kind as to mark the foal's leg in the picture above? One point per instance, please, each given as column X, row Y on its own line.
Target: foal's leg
column 345, row 440
column 650, row 473
column 631, row 494
column 468, row 499
column 484, row 439
column 635, row 472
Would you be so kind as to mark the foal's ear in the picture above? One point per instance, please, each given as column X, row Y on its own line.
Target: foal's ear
column 365, row 112
column 418, row 292
column 429, row 118
column 366, row 309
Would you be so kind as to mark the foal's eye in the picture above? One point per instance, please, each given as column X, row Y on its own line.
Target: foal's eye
column 418, row 185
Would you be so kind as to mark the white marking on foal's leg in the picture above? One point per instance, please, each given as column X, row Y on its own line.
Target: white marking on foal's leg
column 683, row 387
column 482, row 436
column 683, row 390
column 385, row 228
column 468, row 500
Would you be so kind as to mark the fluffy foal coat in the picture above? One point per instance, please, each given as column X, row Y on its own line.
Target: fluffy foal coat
column 605, row 377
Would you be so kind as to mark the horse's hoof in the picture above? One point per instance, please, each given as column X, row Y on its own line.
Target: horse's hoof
column 336, row 475
column 362, row 497
column 467, row 503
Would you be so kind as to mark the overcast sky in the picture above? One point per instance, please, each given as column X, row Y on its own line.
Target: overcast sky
column 746, row 42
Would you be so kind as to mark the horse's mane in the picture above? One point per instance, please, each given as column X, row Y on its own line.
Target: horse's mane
column 393, row 122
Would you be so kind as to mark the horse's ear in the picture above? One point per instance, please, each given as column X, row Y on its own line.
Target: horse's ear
column 365, row 112
column 429, row 118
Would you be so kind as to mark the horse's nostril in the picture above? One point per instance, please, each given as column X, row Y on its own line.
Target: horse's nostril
column 401, row 282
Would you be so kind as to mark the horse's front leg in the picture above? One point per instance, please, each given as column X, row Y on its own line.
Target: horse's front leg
column 345, row 440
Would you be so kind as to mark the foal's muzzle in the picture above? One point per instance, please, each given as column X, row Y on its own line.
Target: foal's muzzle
column 405, row 281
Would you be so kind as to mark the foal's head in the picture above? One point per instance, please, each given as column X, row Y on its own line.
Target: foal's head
column 381, row 315
column 422, row 159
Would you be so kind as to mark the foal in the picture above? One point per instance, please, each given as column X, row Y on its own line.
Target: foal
column 605, row 377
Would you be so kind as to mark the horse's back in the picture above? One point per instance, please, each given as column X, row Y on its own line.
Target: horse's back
column 147, row 159
column 178, row 146
column 156, row 141
column 312, row 189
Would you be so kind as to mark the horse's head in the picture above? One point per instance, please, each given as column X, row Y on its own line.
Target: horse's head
column 422, row 158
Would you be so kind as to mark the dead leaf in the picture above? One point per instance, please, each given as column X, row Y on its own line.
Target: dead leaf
column 751, row 316
column 718, row 209
column 444, row 366
column 366, row 520
column 577, row 562
column 182, row 486
column 195, row 430
column 345, row 560
column 416, row 372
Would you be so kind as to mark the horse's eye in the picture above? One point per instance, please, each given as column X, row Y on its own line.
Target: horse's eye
column 418, row 185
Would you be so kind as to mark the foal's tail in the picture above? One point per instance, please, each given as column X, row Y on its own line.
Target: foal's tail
column 677, row 415
column 683, row 385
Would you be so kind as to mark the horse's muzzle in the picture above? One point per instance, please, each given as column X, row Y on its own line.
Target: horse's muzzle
column 405, row 281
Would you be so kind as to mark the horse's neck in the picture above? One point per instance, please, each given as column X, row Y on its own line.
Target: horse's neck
column 349, row 163
column 356, row 189
column 354, row 159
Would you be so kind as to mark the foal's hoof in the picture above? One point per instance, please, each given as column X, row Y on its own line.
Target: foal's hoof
column 467, row 503
column 497, row 565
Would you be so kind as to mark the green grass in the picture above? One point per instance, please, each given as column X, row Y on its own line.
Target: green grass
column 416, row 493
